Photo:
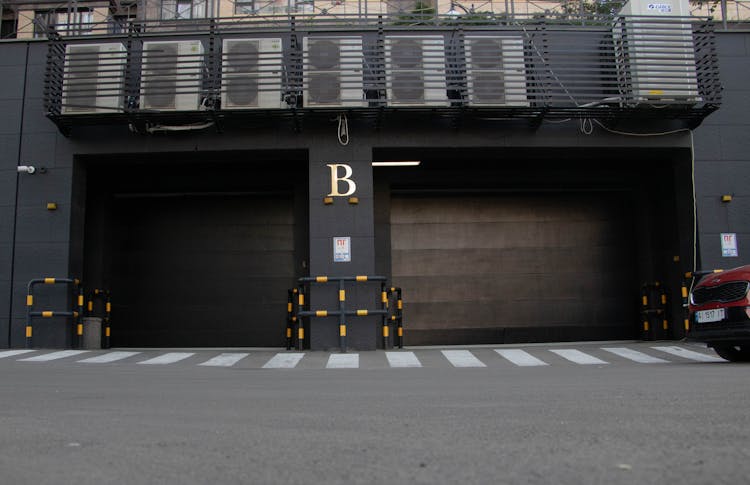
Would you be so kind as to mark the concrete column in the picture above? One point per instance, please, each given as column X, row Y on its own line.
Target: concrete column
column 342, row 174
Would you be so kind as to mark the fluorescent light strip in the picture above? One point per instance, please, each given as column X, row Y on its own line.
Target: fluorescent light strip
column 397, row 163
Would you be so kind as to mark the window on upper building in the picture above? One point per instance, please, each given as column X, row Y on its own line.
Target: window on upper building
column 64, row 22
column 183, row 9
column 9, row 26
column 271, row 7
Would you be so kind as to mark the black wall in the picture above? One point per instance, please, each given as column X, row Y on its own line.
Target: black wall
column 51, row 242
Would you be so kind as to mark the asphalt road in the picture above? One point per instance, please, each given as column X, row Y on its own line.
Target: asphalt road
column 620, row 423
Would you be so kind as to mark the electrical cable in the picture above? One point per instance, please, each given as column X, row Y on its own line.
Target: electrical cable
column 343, row 130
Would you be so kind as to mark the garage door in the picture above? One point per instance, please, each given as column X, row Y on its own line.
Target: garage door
column 514, row 268
column 202, row 270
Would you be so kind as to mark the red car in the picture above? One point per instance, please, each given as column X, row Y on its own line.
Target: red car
column 720, row 313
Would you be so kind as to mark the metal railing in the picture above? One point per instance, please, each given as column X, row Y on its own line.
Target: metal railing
column 298, row 309
column 538, row 69
column 76, row 311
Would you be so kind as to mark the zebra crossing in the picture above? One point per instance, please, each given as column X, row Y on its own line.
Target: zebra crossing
column 533, row 356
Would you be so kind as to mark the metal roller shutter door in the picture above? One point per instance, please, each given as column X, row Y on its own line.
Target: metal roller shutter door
column 512, row 268
column 203, row 271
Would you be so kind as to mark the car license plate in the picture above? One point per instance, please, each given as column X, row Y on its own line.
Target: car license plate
column 707, row 316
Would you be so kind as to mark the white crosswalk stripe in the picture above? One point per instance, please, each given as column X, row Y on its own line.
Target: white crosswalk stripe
column 283, row 361
column 225, row 360
column 689, row 354
column 108, row 357
column 53, row 356
column 11, row 353
column 577, row 356
column 402, row 359
column 634, row 355
column 168, row 358
column 343, row 361
column 462, row 358
column 520, row 357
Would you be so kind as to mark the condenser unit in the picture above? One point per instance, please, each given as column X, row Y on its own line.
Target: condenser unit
column 654, row 52
column 93, row 78
column 251, row 73
column 171, row 75
column 415, row 71
column 333, row 72
column 495, row 71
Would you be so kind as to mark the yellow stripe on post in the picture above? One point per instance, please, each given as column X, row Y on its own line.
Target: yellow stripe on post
column 687, row 324
column 79, row 329
column 49, row 281
column 109, row 307
column 663, row 299
column 301, row 299
column 361, row 313
column 386, row 331
column 29, row 300
column 400, row 304
column 665, row 325
column 107, row 332
column 80, row 300
column 342, row 330
column 644, row 300
column 400, row 332
column 91, row 306
column 321, row 313
column 321, row 279
column 361, row 278
column 289, row 307
column 301, row 333
column 384, row 297
column 645, row 326
column 342, row 295
column 48, row 314
column 28, row 331
column 288, row 333
column 684, row 292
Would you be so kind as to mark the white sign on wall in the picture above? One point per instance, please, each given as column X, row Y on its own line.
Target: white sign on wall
column 342, row 249
column 728, row 245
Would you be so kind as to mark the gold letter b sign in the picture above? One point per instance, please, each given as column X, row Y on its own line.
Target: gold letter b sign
column 335, row 180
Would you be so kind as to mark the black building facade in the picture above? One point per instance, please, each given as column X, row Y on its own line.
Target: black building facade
column 537, row 218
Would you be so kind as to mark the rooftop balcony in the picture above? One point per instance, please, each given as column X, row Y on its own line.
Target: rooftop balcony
column 156, row 74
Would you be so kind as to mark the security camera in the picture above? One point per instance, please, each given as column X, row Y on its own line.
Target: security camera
column 26, row 169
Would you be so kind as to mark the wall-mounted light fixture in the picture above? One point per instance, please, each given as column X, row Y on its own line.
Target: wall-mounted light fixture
column 397, row 163
column 726, row 198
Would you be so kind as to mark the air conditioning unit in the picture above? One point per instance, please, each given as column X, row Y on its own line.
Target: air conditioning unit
column 495, row 71
column 415, row 71
column 654, row 52
column 93, row 78
column 333, row 72
column 171, row 75
column 251, row 73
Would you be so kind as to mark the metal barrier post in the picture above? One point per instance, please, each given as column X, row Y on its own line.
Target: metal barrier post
column 400, row 318
column 50, row 313
column 79, row 323
column 342, row 316
column 300, row 326
column 289, row 314
column 384, row 303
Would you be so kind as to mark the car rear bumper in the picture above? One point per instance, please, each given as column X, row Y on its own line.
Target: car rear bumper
column 730, row 333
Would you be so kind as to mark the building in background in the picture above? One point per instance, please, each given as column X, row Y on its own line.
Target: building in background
column 520, row 174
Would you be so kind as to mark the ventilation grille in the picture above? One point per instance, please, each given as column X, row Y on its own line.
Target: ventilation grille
column 495, row 71
column 415, row 71
column 251, row 73
column 93, row 78
column 333, row 71
column 171, row 75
